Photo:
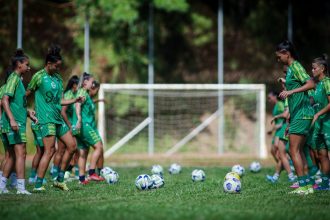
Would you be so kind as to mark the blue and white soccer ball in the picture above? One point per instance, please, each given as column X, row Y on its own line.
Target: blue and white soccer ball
column 157, row 169
column 105, row 171
column 238, row 169
column 198, row 175
column 112, row 177
column 158, row 181
column 231, row 175
column 174, row 169
column 255, row 167
column 232, row 185
column 143, row 182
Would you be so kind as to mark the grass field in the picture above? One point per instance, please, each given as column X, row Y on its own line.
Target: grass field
column 180, row 198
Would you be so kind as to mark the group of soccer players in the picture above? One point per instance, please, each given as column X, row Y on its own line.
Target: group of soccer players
column 63, row 124
column 302, row 122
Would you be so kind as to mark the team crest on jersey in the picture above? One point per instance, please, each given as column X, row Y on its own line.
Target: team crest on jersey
column 53, row 85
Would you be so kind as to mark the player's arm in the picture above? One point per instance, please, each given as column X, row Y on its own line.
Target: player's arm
column 323, row 111
column 310, row 84
column 71, row 101
column 12, row 121
column 65, row 116
column 78, row 113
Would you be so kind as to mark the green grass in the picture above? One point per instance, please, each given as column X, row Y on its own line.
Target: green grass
column 180, row 198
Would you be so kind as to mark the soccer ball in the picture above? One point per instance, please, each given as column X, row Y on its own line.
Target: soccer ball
column 111, row 177
column 174, row 169
column 231, row 175
column 232, row 185
column 198, row 175
column 238, row 169
column 157, row 169
column 158, row 181
column 255, row 167
column 143, row 182
column 105, row 171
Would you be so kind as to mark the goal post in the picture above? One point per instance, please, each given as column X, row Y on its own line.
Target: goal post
column 182, row 114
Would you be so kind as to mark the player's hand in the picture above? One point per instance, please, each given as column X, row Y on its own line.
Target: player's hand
column 32, row 116
column 14, row 125
column 285, row 94
column 80, row 99
column 273, row 120
column 281, row 80
column 316, row 116
column 78, row 125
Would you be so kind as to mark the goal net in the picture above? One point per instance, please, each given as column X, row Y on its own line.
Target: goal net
column 183, row 119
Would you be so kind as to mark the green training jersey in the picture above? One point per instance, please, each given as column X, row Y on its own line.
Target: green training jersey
column 48, row 94
column 15, row 90
column 322, row 92
column 70, row 108
column 299, row 103
column 87, row 109
column 278, row 109
column 2, row 89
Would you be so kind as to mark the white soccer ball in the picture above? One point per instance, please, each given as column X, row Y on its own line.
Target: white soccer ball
column 143, row 182
column 158, row 181
column 232, row 185
column 157, row 169
column 112, row 177
column 198, row 175
column 238, row 169
column 255, row 167
column 174, row 169
column 231, row 175
column 105, row 171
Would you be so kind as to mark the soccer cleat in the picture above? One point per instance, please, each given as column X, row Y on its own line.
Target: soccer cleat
column 295, row 185
column 85, row 182
column 95, row 177
column 23, row 192
column 315, row 186
column 271, row 179
column 4, row 191
column 291, row 180
column 67, row 175
column 40, row 189
column 60, row 185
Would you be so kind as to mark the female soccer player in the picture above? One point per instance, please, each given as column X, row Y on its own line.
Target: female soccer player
column 88, row 135
column 67, row 114
column 93, row 92
column 277, row 109
column 48, row 88
column 297, row 84
column 14, row 122
column 321, row 121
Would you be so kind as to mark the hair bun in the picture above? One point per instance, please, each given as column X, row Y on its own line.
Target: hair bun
column 54, row 50
column 19, row 53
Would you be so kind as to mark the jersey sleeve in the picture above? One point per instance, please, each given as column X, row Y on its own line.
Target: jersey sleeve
column 35, row 82
column 68, row 95
column 326, row 85
column 83, row 93
column 1, row 91
column 300, row 73
column 11, row 86
column 286, row 103
column 280, row 106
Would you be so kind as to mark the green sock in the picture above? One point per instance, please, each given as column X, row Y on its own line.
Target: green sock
column 309, row 160
column 302, row 181
column 325, row 180
column 33, row 173
column 312, row 170
column 60, row 177
column 39, row 182
column 55, row 171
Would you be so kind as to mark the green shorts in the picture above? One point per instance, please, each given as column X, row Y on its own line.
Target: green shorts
column 300, row 126
column 281, row 132
column 320, row 136
column 52, row 129
column 5, row 141
column 17, row 137
column 37, row 135
column 88, row 136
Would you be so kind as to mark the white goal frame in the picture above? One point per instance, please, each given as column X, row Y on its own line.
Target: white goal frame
column 261, row 113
